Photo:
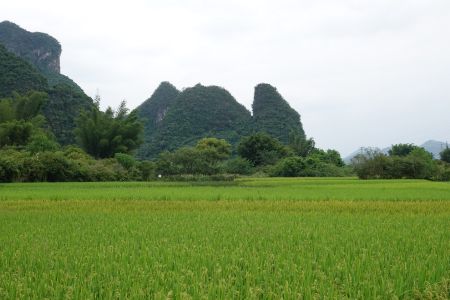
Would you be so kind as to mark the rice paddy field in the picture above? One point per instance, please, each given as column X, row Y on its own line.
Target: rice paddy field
column 248, row 239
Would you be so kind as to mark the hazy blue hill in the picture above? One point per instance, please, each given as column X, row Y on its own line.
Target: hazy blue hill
column 434, row 147
column 273, row 115
column 197, row 112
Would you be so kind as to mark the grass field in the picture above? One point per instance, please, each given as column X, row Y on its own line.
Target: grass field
column 253, row 238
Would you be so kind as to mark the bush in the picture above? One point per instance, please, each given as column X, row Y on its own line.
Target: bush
column 418, row 164
column 238, row 165
column 125, row 160
column 147, row 170
column 10, row 165
column 311, row 166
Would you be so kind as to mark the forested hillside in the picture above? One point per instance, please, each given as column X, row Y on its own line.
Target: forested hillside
column 173, row 119
column 31, row 61
column 196, row 112
column 273, row 115
column 18, row 75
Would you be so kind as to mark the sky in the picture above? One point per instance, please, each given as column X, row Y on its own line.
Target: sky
column 359, row 72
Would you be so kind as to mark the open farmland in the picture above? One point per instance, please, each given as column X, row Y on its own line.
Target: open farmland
column 252, row 238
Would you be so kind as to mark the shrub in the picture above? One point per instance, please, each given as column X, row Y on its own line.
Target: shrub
column 238, row 165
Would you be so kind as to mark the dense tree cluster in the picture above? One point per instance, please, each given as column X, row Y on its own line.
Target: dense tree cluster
column 403, row 161
column 103, row 134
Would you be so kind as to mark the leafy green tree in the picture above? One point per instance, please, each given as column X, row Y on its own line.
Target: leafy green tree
column 15, row 133
column 329, row 156
column 445, row 154
column 300, row 144
column 402, row 149
column 238, row 165
column 261, row 149
column 41, row 142
column 125, row 160
column 371, row 163
column 103, row 134
column 22, row 107
column 214, row 149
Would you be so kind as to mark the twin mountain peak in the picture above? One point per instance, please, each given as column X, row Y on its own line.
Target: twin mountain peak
column 172, row 118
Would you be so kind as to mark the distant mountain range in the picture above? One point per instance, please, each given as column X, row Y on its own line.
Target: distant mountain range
column 172, row 118
column 434, row 147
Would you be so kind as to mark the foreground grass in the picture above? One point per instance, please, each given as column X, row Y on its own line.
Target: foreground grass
column 372, row 244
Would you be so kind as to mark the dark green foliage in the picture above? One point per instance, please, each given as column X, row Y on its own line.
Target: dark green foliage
column 300, row 145
column 20, row 121
column 311, row 166
column 261, row 149
column 125, row 160
column 173, row 119
column 11, row 165
column 103, row 134
column 371, row 163
column 64, row 106
column 239, row 166
column 273, row 115
column 445, row 155
column 18, row 75
column 41, row 142
column 32, row 63
column 196, row 113
column 71, row 164
column 147, row 169
column 203, row 159
column 213, row 149
column 402, row 149
column 418, row 164
column 152, row 112
column 330, row 156
column 24, row 107
column 39, row 49
column 15, row 133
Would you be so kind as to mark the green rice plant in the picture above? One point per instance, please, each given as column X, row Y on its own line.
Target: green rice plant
column 283, row 238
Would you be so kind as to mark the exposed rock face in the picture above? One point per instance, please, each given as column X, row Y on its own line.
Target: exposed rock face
column 154, row 109
column 32, row 62
column 39, row 49
column 18, row 75
column 273, row 115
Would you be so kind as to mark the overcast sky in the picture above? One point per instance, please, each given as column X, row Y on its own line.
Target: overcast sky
column 360, row 72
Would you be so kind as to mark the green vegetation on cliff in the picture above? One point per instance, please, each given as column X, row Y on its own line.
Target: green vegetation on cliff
column 273, row 115
column 18, row 75
column 196, row 112
column 31, row 61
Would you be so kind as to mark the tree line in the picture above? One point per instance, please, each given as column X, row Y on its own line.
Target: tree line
column 107, row 140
